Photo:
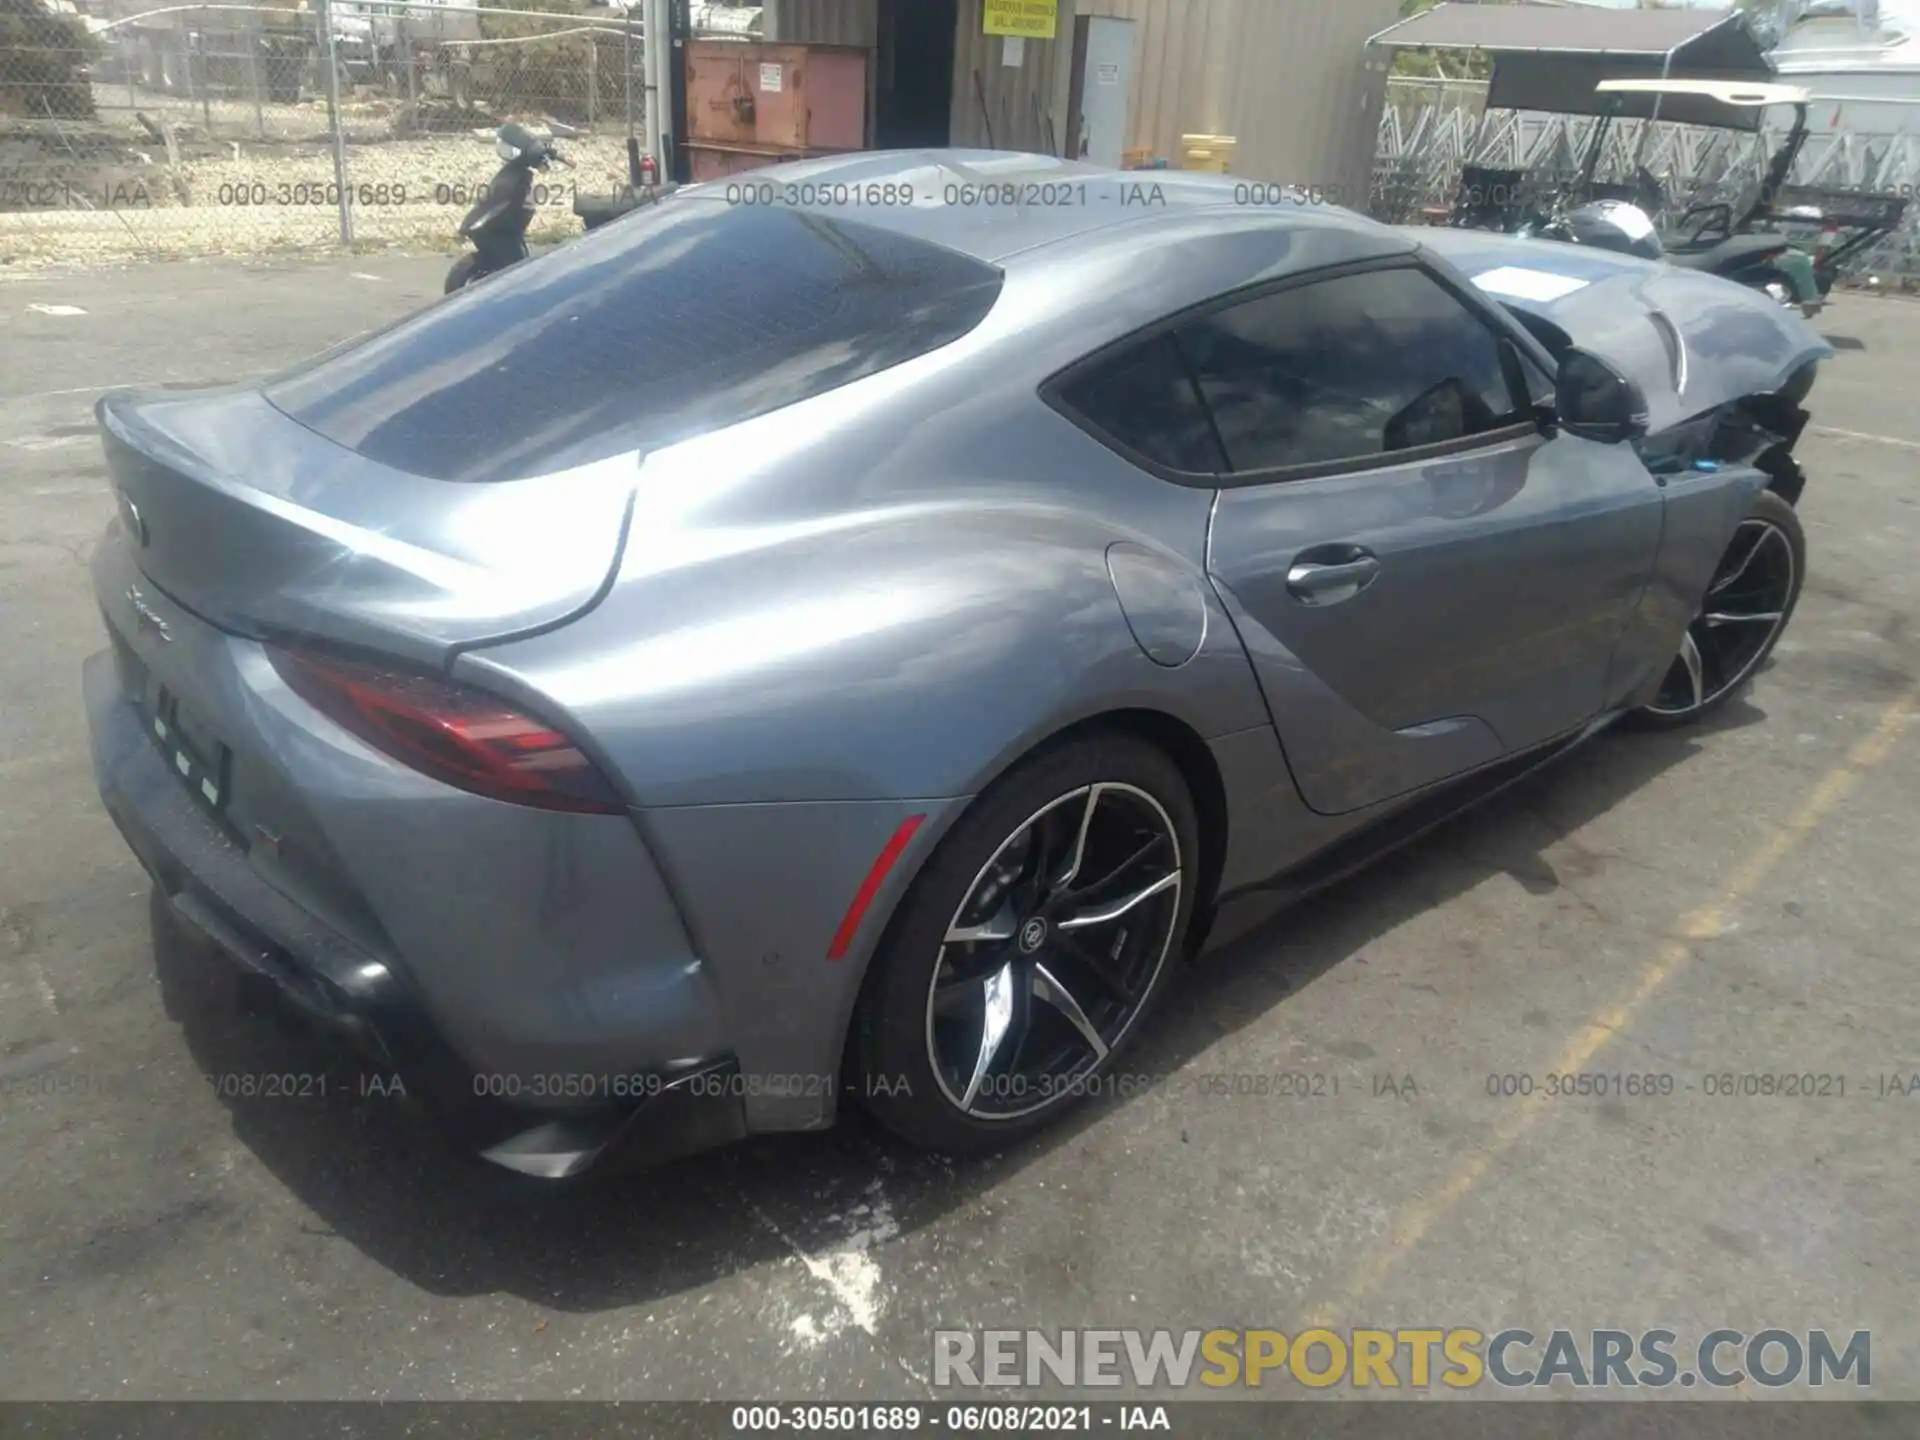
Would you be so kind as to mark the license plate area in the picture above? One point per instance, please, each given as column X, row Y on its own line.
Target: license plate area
column 199, row 759
column 193, row 752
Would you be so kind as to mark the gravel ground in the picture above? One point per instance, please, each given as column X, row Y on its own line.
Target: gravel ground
column 117, row 193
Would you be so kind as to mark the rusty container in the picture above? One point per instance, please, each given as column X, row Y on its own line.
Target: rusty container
column 752, row 104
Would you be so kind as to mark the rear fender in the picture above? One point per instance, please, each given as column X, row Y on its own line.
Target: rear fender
column 780, row 714
column 916, row 651
column 1797, row 269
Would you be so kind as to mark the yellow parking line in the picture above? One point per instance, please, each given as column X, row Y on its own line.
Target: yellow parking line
column 1413, row 1223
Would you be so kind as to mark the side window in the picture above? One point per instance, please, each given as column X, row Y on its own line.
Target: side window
column 1553, row 340
column 1540, row 385
column 1143, row 399
column 1347, row 369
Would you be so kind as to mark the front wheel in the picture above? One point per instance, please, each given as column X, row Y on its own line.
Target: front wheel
column 1030, row 949
column 1741, row 618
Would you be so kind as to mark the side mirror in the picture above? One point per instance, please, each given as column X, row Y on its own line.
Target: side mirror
column 1596, row 402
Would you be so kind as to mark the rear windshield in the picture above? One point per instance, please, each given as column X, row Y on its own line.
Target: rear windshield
column 675, row 321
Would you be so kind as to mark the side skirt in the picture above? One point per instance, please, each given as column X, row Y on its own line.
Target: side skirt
column 1426, row 813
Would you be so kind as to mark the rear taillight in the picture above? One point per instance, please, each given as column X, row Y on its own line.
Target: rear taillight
column 454, row 733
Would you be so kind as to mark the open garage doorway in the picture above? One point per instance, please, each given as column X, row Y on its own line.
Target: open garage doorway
column 913, row 74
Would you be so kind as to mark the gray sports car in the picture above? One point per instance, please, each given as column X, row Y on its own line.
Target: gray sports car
column 839, row 634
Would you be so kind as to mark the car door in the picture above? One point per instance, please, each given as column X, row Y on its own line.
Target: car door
column 1423, row 579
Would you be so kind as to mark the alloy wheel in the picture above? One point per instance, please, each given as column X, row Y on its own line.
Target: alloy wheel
column 1745, row 606
column 1053, row 951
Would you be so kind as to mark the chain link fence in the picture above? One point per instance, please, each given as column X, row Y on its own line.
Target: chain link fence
column 1430, row 132
column 233, row 128
column 141, row 129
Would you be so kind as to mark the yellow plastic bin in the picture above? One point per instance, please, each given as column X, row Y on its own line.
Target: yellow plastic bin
column 1209, row 152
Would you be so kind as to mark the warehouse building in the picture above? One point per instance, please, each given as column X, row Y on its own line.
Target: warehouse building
column 1290, row 82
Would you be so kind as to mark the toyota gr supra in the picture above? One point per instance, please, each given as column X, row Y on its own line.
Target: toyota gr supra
column 843, row 647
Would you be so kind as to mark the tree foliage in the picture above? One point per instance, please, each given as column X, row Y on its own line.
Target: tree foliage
column 1763, row 18
column 46, row 56
column 504, row 27
column 1438, row 64
column 550, row 70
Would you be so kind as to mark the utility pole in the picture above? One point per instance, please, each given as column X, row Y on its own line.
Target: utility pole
column 659, row 60
column 338, row 122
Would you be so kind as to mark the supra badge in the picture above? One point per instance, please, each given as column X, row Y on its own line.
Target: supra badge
column 148, row 618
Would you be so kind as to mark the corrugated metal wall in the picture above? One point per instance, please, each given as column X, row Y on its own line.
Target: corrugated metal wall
column 1004, row 106
column 1289, row 79
column 825, row 22
column 1020, row 101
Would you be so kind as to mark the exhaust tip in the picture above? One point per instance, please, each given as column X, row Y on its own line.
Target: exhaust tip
column 553, row 1150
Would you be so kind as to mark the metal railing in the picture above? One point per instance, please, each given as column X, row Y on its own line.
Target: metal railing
column 168, row 129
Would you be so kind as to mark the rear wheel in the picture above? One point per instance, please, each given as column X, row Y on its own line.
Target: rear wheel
column 461, row 274
column 1742, row 616
column 1030, row 949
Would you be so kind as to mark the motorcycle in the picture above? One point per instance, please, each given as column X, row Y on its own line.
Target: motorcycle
column 1768, row 263
column 497, row 224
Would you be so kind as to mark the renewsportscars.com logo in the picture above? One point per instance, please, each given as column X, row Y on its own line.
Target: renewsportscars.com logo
column 1459, row 1359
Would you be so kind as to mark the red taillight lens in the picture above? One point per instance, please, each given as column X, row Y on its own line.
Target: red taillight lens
column 456, row 734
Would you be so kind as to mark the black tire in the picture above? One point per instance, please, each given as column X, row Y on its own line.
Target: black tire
column 894, row 1025
column 1672, row 709
column 461, row 274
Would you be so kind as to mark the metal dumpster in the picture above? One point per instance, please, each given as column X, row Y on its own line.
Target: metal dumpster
column 751, row 104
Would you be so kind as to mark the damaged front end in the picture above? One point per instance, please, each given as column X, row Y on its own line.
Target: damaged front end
column 1760, row 431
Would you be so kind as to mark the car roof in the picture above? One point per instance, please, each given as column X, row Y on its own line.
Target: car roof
column 997, row 205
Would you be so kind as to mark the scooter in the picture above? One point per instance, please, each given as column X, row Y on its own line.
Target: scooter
column 498, row 222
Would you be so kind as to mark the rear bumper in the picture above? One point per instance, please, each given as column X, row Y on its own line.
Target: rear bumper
column 648, row 1112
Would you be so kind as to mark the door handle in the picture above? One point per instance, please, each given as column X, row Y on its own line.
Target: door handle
column 1317, row 582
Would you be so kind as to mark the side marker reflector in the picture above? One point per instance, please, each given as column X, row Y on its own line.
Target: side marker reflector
column 870, row 887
